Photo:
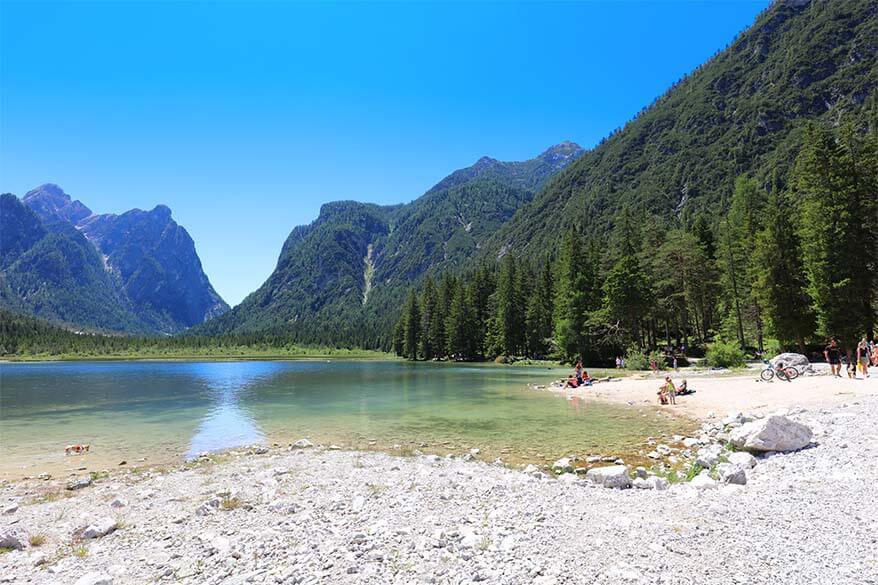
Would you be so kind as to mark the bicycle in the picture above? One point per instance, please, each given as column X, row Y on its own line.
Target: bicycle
column 787, row 374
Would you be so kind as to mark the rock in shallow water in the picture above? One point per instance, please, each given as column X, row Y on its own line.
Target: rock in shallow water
column 773, row 433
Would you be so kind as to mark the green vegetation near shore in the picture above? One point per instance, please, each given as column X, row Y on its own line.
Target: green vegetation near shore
column 791, row 260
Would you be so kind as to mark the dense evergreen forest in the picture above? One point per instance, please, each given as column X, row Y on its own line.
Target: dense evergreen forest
column 793, row 259
column 24, row 337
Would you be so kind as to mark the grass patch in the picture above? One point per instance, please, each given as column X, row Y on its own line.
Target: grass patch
column 230, row 503
column 5, row 549
column 80, row 551
column 674, row 476
column 36, row 539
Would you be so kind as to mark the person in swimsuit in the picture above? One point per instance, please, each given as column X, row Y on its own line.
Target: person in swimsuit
column 832, row 353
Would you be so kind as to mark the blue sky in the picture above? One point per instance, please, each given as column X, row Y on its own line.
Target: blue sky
column 244, row 118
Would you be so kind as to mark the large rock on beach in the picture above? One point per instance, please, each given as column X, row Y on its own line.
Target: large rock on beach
column 791, row 359
column 9, row 538
column 94, row 579
column 703, row 481
column 562, row 465
column 78, row 483
column 614, row 476
column 99, row 528
column 709, row 456
column 772, row 433
column 742, row 459
column 731, row 473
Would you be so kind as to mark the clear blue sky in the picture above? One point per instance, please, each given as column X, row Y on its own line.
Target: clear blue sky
column 244, row 118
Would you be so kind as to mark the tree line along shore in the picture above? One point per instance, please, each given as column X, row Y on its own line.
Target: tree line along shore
column 791, row 264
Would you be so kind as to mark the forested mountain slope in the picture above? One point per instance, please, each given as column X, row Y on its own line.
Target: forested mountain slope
column 741, row 112
column 135, row 272
column 342, row 277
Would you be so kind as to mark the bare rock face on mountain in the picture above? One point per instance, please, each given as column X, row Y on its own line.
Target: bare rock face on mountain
column 155, row 261
column 51, row 203
column 134, row 272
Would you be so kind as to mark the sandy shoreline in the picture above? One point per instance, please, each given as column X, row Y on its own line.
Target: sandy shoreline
column 720, row 395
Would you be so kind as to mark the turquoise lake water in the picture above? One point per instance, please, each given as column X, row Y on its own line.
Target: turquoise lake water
column 166, row 411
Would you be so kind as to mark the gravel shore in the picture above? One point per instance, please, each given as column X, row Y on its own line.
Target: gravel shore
column 315, row 515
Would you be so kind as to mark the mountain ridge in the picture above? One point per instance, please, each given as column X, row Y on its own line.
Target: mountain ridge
column 145, row 258
column 325, row 267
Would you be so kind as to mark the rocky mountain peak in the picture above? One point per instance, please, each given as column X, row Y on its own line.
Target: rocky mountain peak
column 562, row 152
column 51, row 203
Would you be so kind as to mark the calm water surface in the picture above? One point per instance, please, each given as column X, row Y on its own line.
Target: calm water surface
column 168, row 410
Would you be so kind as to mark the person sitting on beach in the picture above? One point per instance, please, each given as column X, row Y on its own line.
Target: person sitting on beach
column 683, row 390
column 572, row 382
column 663, row 394
column 586, row 379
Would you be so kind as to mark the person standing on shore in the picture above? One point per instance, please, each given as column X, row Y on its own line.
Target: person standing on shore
column 863, row 357
column 832, row 353
column 671, row 390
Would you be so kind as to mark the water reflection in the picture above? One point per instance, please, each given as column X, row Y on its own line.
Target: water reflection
column 228, row 421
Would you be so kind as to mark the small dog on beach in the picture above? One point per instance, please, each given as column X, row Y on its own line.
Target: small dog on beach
column 76, row 449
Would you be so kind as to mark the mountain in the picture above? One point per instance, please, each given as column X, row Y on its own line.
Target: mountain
column 741, row 112
column 57, row 274
column 343, row 276
column 135, row 272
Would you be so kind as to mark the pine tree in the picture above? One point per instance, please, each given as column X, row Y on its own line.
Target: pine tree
column 737, row 267
column 576, row 297
column 461, row 325
column 538, row 315
column 835, row 180
column 507, row 327
column 627, row 297
column 781, row 282
column 399, row 336
column 432, row 341
column 412, row 329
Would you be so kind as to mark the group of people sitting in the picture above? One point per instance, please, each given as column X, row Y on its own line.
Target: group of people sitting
column 668, row 392
column 579, row 377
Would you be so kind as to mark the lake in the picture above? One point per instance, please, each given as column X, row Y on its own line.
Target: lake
column 162, row 412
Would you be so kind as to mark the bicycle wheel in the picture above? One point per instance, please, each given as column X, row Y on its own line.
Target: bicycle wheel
column 782, row 375
column 767, row 374
column 792, row 373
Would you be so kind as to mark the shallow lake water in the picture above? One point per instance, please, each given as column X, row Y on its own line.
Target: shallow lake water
column 166, row 411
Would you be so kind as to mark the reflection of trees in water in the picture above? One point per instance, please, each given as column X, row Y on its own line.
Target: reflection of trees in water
column 228, row 422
